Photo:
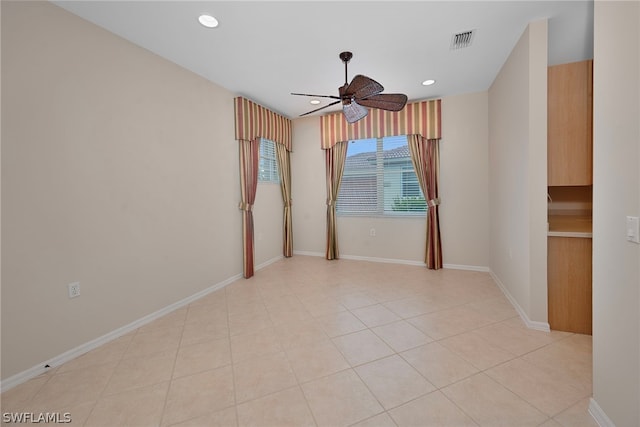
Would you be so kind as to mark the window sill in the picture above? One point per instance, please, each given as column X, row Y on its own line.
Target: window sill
column 374, row 215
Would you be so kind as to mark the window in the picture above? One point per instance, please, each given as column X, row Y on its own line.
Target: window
column 268, row 165
column 379, row 179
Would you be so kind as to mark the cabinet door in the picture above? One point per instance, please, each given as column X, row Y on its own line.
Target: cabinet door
column 569, row 284
column 569, row 124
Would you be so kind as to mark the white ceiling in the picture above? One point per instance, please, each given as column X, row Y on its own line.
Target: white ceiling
column 264, row 50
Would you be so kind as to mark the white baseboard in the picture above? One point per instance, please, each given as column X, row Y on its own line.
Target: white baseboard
column 93, row 344
column 268, row 262
column 397, row 261
column 382, row 260
column 598, row 414
column 467, row 267
column 308, row 253
column 531, row 324
column 362, row 258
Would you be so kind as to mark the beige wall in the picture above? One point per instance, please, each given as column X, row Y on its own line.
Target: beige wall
column 464, row 179
column 518, row 169
column 616, row 194
column 267, row 223
column 308, row 188
column 120, row 171
column 464, row 193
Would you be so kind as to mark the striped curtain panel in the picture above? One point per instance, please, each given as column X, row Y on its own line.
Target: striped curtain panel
column 420, row 119
column 426, row 162
column 253, row 122
column 284, row 168
column 249, row 158
column 334, row 160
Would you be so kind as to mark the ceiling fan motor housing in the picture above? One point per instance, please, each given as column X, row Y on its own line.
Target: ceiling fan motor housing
column 346, row 98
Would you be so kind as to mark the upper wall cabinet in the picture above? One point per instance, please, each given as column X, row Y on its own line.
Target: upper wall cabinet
column 569, row 126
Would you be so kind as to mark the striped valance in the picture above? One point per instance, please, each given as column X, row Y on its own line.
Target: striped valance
column 418, row 118
column 255, row 121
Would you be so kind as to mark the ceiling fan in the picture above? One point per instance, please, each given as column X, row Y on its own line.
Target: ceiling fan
column 360, row 93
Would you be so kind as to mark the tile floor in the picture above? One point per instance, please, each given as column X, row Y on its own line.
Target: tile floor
column 310, row 342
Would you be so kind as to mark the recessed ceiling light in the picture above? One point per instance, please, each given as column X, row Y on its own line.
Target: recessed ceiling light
column 208, row 21
column 314, row 102
column 428, row 82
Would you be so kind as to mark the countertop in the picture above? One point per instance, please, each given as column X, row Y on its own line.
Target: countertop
column 570, row 225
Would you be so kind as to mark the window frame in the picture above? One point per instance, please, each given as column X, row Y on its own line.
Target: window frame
column 383, row 188
column 268, row 168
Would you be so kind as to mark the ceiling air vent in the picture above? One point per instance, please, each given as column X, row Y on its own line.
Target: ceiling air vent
column 462, row 40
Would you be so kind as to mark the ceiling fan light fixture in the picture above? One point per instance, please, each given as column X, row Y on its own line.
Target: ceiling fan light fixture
column 428, row 82
column 354, row 112
column 208, row 21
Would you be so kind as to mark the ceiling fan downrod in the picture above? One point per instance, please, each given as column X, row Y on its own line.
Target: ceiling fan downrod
column 346, row 57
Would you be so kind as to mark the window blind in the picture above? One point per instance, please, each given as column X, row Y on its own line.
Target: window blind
column 268, row 164
column 379, row 179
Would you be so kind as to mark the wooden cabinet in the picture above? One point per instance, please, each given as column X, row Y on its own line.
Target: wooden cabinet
column 569, row 284
column 569, row 124
column 570, row 176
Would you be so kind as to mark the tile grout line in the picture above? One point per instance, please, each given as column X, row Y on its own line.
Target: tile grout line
column 298, row 383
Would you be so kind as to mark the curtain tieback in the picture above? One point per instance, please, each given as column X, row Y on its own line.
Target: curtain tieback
column 433, row 202
column 330, row 202
column 287, row 204
column 245, row 206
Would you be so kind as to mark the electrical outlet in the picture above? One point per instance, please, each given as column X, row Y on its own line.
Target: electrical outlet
column 74, row 289
column 372, row 232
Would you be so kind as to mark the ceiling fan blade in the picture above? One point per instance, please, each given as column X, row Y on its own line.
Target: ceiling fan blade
column 363, row 87
column 321, row 108
column 316, row 96
column 385, row 101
